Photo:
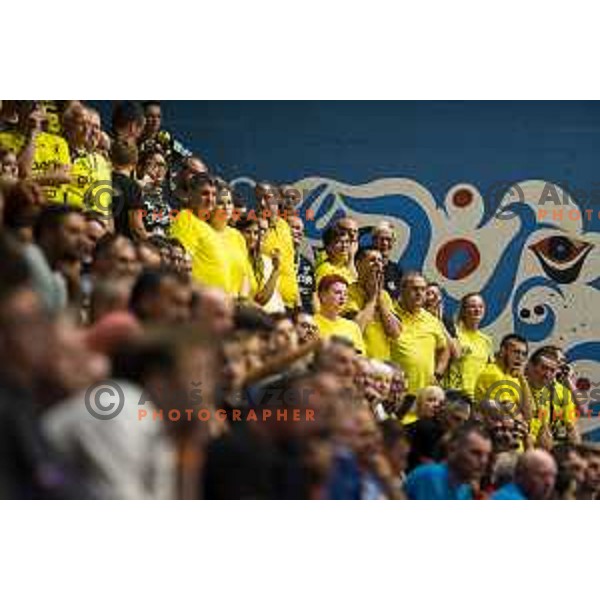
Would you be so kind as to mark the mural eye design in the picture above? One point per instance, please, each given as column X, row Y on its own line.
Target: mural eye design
column 561, row 257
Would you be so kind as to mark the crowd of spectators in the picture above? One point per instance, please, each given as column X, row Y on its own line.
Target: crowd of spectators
column 162, row 337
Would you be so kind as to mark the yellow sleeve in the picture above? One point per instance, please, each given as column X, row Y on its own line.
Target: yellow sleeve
column 358, row 340
column 64, row 156
column 484, row 381
column 440, row 335
column 10, row 141
column 353, row 303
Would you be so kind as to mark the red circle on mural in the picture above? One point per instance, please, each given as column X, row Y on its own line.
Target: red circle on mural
column 462, row 197
column 457, row 259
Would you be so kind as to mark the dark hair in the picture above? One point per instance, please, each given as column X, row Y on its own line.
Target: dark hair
column 244, row 223
column 147, row 284
column 460, row 434
column 513, row 337
column 125, row 113
column 332, row 234
column 14, row 270
column 251, row 318
column 123, row 153
column 199, row 180
column 51, row 219
column 393, row 432
column 105, row 244
column 362, row 253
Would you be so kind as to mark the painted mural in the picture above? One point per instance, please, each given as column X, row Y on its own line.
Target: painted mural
column 539, row 273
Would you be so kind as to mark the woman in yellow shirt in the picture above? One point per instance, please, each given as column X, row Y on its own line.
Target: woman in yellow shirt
column 475, row 348
column 337, row 244
column 233, row 242
column 264, row 271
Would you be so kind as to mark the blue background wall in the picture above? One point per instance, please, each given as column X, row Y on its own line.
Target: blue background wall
column 436, row 143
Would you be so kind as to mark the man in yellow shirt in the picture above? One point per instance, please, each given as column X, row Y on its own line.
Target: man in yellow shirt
column 421, row 350
column 210, row 260
column 332, row 291
column 502, row 384
column 554, row 411
column 371, row 307
column 42, row 156
column 90, row 185
column 279, row 237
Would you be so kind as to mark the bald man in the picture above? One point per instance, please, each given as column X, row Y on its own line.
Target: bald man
column 535, row 476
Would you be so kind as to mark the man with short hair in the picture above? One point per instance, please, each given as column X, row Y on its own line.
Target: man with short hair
column 469, row 453
column 115, row 255
column 61, row 233
column 160, row 298
column 590, row 488
column 534, row 478
column 305, row 271
column 333, row 290
column 210, row 260
column 421, row 350
column 213, row 309
column 384, row 238
column 371, row 307
column 502, row 384
column 128, row 121
column 90, row 174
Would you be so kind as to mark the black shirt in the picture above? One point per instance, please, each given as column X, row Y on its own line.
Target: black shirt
column 127, row 195
column 305, row 274
column 392, row 274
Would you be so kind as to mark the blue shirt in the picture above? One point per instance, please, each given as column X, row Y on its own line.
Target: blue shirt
column 431, row 482
column 510, row 491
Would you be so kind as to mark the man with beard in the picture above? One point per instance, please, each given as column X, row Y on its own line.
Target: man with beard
column 60, row 232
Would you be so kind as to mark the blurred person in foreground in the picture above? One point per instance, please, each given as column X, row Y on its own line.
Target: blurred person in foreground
column 534, row 478
column 460, row 477
column 29, row 469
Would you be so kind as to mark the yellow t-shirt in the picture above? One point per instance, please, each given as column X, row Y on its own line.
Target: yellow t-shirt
column 476, row 353
column 563, row 408
column 235, row 247
column 51, row 151
column 378, row 344
column 280, row 237
column 341, row 327
column 326, row 268
column 422, row 334
column 496, row 386
column 91, row 176
column 210, row 258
